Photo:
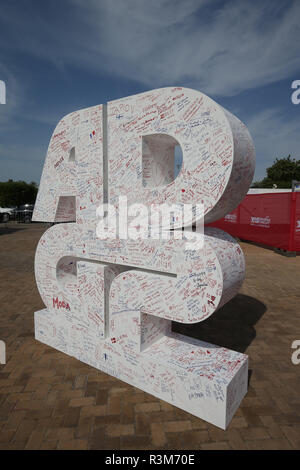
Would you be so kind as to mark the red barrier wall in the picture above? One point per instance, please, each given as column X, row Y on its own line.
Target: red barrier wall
column 271, row 219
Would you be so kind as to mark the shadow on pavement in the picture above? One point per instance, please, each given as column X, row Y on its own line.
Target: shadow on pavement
column 231, row 327
column 8, row 230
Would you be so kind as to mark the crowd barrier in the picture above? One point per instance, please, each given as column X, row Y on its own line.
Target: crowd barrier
column 270, row 219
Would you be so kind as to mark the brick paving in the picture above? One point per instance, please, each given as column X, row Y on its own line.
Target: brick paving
column 51, row 401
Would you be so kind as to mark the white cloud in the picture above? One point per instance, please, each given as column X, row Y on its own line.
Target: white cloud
column 240, row 46
column 220, row 50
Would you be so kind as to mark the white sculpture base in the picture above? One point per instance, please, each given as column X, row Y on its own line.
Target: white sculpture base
column 205, row 380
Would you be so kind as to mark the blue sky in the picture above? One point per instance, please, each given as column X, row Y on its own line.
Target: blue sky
column 62, row 55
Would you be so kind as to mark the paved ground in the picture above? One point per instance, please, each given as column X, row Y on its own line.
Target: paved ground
column 51, row 401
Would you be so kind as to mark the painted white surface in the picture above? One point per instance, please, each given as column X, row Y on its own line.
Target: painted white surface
column 110, row 303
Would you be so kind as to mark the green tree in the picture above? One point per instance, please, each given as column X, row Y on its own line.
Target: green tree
column 16, row 193
column 281, row 173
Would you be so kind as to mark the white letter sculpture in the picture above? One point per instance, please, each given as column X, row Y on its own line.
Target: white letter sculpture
column 110, row 302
